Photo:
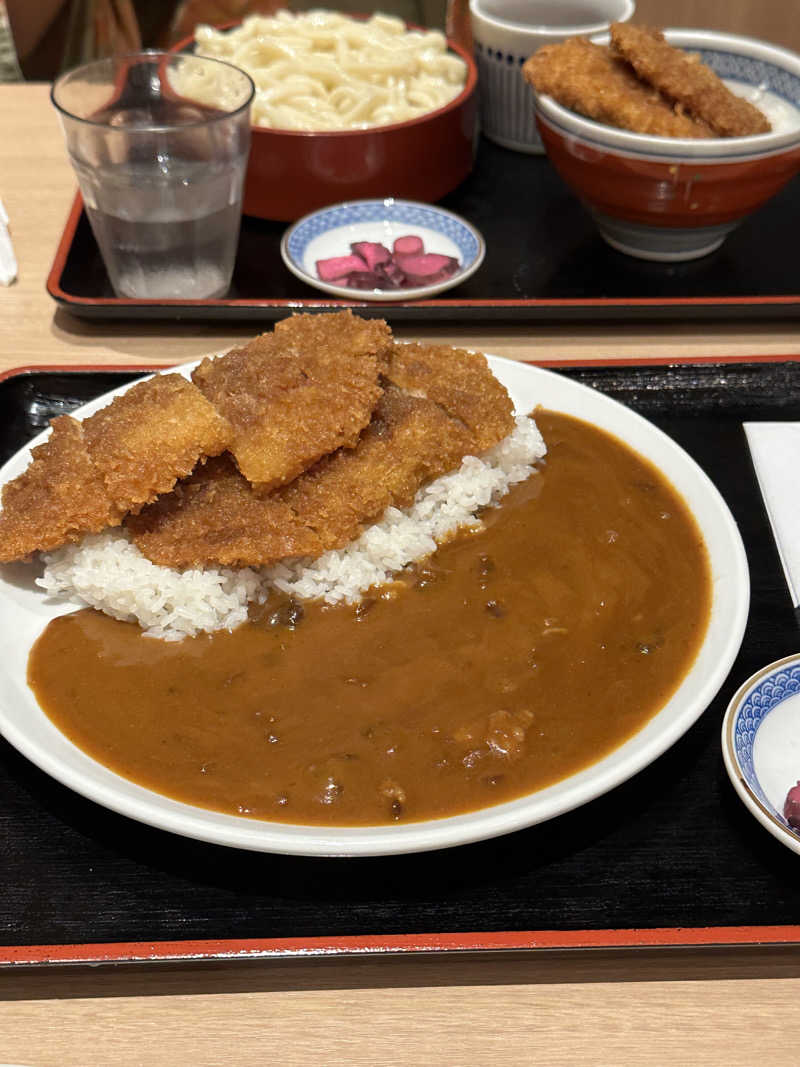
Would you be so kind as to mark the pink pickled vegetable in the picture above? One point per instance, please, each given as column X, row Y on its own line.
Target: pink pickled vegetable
column 408, row 246
column 791, row 808
column 331, row 270
column 371, row 265
column 371, row 252
column 427, row 267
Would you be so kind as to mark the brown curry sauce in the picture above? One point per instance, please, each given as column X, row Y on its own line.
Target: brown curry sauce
column 512, row 658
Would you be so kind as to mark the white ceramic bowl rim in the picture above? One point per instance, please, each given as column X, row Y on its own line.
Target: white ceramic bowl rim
column 536, row 34
column 728, row 149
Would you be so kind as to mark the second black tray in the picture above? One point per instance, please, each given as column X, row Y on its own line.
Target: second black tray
column 545, row 261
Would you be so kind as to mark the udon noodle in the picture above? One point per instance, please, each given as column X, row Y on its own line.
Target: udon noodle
column 321, row 70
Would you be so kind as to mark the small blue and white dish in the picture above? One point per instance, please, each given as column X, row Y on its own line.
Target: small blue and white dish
column 761, row 744
column 329, row 233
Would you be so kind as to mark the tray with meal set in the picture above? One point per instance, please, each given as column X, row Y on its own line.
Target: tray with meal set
column 644, row 842
column 668, row 189
column 545, row 261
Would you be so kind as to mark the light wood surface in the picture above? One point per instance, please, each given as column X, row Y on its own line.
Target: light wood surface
column 627, row 1008
column 650, row 1009
column 769, row 20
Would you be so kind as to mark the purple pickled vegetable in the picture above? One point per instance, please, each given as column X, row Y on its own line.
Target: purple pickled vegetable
column 426, row 268
column 390, row 275
column 408, row 246
column 333, row 270
column 791, row 808
column 371, row 252
column 362, row 279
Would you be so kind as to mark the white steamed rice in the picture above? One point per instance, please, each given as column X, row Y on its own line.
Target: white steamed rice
column 108, row 572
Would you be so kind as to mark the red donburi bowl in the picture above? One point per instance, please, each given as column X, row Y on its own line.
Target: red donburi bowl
column 291, row 173
column 664, row 198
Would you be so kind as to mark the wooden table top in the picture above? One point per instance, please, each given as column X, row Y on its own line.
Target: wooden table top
column 626, row 1007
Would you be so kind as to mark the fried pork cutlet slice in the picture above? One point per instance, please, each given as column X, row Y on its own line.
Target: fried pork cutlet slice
column 216, row 517
column 297, row 394
column 409, row 441
column 155, row 433
column 587, row 78
column 683, row 78
column 340, row 329
column 461, row 383
column 449, row 405
column 58, row 498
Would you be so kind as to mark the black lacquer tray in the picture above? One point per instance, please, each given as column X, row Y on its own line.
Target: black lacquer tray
column 545, row 261
column 670, row 852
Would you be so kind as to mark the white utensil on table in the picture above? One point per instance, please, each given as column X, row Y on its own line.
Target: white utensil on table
column 8, row 261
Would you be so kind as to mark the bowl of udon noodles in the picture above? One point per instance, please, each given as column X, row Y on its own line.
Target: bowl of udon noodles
column 346, row 108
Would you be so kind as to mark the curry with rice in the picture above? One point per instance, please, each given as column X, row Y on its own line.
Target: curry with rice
column 512, row 657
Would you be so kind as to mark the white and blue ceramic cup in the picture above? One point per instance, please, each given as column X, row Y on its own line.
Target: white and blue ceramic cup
column 506, row 33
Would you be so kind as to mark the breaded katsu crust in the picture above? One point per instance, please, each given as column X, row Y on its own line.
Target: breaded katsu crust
column 439, row 405
column 589, row 79
column 410, row 441
column 461, row 383
column 683, row 78
column 216, row 517
column 302, row 439
column 297, row 394
column 336, row 330
column 152, row 435
column 58, row 498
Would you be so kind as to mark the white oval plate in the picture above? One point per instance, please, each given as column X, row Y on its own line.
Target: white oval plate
column 24, row 612
column 330, row 231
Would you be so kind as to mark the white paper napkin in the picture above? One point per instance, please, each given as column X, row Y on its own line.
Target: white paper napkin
column 775, row 448
column 8, row 261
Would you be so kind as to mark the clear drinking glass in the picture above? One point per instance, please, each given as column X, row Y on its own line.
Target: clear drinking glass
column 159, row 143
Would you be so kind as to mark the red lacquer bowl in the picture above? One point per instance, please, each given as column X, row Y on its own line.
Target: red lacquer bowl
column 291, row 173
column 664, row 198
